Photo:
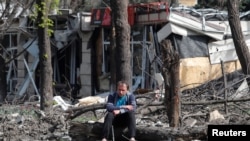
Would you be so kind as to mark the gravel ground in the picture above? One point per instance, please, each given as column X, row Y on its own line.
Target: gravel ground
column 28, row 123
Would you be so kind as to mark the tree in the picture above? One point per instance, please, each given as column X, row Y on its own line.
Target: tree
column 170, row 73
column 43, row 31
column 112, row 53
column 238, row 38
column 122, row 34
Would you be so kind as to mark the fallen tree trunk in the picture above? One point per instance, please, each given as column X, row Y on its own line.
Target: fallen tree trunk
column 169, row 133
column 151, row 109
column 215, row 101
column 77, row 111
column 143, row 133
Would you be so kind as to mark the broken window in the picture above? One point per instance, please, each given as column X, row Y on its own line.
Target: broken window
column 10, row 45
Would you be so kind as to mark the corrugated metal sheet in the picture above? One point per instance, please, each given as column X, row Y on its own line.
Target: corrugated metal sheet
column 224, row 50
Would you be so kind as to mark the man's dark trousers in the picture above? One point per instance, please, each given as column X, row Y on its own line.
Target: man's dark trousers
column 122, row 120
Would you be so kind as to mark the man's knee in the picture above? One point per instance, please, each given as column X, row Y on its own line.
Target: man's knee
column 109, row 116
column 131, row 114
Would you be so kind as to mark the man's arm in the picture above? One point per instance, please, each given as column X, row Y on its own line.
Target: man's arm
column 110, row 103
column 131, row 105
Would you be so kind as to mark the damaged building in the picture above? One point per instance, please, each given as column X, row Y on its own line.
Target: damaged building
column 202, row 38
column 70, row 55
column 80, row 48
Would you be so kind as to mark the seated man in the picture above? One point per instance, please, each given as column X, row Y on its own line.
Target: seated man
column 121, row 106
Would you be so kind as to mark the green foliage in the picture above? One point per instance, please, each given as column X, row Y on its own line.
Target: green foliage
column 46, row 22
column 45, row 56
column 54, row 4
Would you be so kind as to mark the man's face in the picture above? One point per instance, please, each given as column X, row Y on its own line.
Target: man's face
column 122, row 89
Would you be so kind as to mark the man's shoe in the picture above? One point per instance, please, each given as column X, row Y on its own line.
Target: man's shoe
column 132, row 139
column 104, row 139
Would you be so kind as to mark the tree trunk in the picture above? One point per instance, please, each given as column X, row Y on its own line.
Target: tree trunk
column 112, row 51
column 170, row 72
column 238, row 38
column 112, row 61
column 46, row 91
column 122, row 32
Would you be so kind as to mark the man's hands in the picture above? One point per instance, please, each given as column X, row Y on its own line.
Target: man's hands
column 129, row 107
column 116, row 112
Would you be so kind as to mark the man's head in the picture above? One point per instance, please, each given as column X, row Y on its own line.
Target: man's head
column 122, row 88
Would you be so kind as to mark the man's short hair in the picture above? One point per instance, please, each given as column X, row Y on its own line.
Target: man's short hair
column 123, row 82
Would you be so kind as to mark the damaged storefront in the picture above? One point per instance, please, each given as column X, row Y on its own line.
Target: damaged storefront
column 69, row 56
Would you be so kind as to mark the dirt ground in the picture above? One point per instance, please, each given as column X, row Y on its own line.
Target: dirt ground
column 22, row 122
column 25, row 122
column 28, row 123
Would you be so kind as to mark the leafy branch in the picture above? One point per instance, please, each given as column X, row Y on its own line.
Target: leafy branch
column 43, row 8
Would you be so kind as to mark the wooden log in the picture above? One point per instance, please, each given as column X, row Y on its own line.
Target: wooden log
column 215, row 101
column 151, row 109
column 75, row 112
column 143, row 133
